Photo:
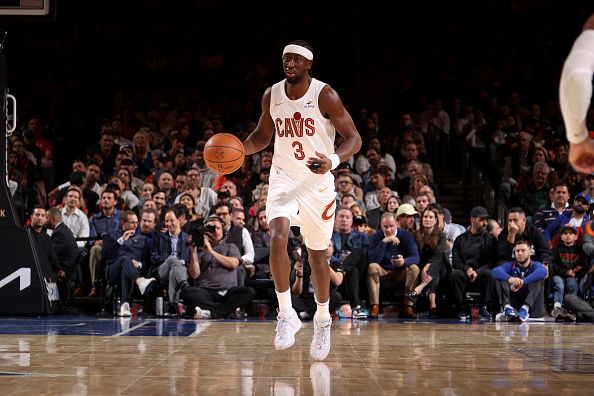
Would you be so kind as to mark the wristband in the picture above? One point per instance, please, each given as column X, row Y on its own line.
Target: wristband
column 299, row 276
column 575, row 87
column 335, row 161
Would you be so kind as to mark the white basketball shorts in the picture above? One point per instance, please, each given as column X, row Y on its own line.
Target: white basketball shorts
column 307, row 200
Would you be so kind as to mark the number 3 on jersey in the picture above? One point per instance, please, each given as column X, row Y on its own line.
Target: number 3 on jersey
column 299, row 154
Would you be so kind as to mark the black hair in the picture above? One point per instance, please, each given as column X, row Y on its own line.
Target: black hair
column 518, row 210
column 179, row 209
column 302, row 43
column 522, row 241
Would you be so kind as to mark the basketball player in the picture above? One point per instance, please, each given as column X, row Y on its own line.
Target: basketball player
column 303, row 114
column 575, row 92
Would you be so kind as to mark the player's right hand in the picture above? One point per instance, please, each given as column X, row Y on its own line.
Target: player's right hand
column 127, row 234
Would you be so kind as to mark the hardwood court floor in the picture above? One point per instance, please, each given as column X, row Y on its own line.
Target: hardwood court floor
column 86, row 355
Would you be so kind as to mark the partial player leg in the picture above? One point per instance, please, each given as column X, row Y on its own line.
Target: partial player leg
column 320, row 343
column 280, row 267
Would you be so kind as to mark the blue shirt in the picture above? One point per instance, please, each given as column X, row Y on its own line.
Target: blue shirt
column 533, row 273
column 381, row 252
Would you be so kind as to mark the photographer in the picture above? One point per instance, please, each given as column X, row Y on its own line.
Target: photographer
column 213, row 273
column 302, row 287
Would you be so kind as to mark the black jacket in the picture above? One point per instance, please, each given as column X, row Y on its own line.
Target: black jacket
column 45, row 248
column 65, row 246
column 474, row 251
column 542, row 253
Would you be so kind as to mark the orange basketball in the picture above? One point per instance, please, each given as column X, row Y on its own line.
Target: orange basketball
column 223, row 153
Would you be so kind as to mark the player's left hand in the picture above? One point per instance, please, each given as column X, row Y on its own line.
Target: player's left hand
column 581, row 156
column 325, row 164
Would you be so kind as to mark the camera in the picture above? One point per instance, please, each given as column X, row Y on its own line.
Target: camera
column 197, row 234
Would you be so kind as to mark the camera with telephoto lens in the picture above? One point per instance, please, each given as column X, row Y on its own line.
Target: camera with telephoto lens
column 197, row 234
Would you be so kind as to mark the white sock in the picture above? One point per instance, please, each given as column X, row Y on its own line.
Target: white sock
column 526, row 307
column 557, row 305
column 322, row 313
column 284, row 301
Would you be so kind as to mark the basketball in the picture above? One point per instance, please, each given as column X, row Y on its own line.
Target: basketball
column 223, row 153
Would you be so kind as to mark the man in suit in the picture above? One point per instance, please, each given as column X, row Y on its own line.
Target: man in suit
column 64, row 245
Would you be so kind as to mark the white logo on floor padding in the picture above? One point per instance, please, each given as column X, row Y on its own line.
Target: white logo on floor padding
column 24, row 275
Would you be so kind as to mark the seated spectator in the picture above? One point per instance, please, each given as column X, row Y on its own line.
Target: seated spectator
column 360, row 225
column 346, row 201
column 45, row 248
column 378, row 183
column 517, row 162
column 392, row 254
column 107, row 221
column 578, row 217
column 433, row 262
column 568, row 263
column 147, row 191
column 559, row 205
column 541, row 155
column 374, row 215
column 535, row 194
column 64, row 243
column 110, row 248
column 451, row 230
column 213, row 273
column 261, row 240
column 416, row 183
column 421, row 202
column 74, row 218
column 406, row 216
column 345, row 169
column 134, row 260
column 170, row 257
column 520, row 285
column 473, row 256
column 518, row 228
column 303, row 288
column 494, row 228
column 240, row 237
column 588, row 182
column 393, row 204
column 346, row 186
column 414, row 168
column 363, row 164
column 186, row 199
column 350, row 252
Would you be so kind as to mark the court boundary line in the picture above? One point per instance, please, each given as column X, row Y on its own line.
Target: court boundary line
column 121, row 333
column 203, row 327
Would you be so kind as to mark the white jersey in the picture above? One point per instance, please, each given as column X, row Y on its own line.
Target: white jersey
column 300, row 128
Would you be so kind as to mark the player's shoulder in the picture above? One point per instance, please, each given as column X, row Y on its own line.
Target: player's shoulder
column 328, row 93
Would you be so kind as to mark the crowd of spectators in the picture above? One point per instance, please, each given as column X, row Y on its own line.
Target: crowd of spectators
column 131, row 135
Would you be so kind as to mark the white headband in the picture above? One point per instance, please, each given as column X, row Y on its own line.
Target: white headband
column 299, row 50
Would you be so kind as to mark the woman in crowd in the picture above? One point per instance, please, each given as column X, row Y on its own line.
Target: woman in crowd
column 431, row 243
